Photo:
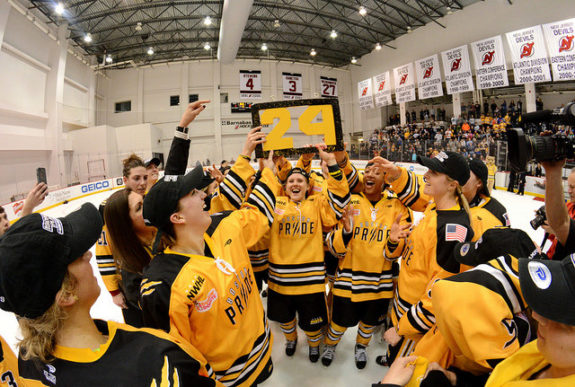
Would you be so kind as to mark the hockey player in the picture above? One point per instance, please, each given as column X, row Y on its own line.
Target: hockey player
column 8, row 365
column 46, row 279
column 363, row 280
column 296, row 264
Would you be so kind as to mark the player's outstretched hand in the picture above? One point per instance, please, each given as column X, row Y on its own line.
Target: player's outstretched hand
column 347, row 218
column 255, row 137
column 216, row 174
column 192, row 111
column 35, row 197
column 269, row 162
column 400, row 371
column 329, row 158
column 399, row 231
column 392, row 171
column 341, row 156
column 391, row 336
column 307, row 157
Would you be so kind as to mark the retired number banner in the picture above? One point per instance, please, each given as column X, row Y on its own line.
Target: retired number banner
column 382, row 89
column 291, row 125
column 490, row 67
column 404, row 80
column 292, row 86
column 428, row 77
column 457, row 69
column 250, row 84
column 328, row 87
column 529, row 56
column 560, row 38
column 365, row 93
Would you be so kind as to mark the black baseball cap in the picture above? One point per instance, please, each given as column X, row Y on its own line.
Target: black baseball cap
column 494, row 243
column 154, row 160
column 452, row 164
column 479, row 169
column 162, row 200
column 298, row 170
column 34, row 257
column 549, row 287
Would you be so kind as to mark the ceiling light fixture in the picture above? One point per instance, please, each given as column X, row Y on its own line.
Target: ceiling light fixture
column 449, row 11
column 109, row 59
column 378, row 46
column 264, row 47
column 333, row 34
column 277, row 23
column 207, row 46
column 59, row 8
column 362, row 11
column 313, row 52
column 408, row 29
column 88, row 38
column 353, row 60
column 150, row 51
column 207, row 21
column 138, row 26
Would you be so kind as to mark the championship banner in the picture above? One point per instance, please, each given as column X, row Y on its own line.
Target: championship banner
column 328, row 87
column 382, row 88
column 490, row 66
column 291, row 125
column 428, row 77
column 365, row 93
column 292, row 86
column 560, row 42
column 529, row 56
column 404, row 80
column 457, row 70
column 250, row 84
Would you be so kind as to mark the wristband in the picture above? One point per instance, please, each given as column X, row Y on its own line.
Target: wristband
column 183, row 130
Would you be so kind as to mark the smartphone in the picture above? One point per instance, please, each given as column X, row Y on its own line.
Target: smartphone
column 41, row 175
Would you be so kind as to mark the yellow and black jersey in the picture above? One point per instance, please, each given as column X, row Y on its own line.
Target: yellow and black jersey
column 354, row 178
column 8, row 366
column 106, row 264
column 130, row 357
column 480, row 314
column 409, row 189
column 522, row 366
column 363, row 273
column 296, row 262
column 231, row 192
column 212, row 301
column 259, row 253
column 486, row 213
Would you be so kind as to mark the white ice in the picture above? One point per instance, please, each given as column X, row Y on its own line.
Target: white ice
column 297, row 370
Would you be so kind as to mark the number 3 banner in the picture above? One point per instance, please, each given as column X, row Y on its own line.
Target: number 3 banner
column 328, row 87
column 292, row 86
column 250, row 84
column 291, row 125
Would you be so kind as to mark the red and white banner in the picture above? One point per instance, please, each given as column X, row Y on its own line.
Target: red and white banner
column 457, row 69
column 365, row 93
column 490, row 66
column 328, row 87
column 560, row 38
column 428, row 77
column 382, row 89
column 529, row 56
column 404, row 81
column 250, row 84
column 292, row 86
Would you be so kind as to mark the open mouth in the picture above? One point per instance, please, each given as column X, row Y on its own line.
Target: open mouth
column 369, row 183
column 295, row 190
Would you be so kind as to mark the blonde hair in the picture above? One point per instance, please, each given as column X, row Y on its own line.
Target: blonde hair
column 39, row 334
column 463, row 201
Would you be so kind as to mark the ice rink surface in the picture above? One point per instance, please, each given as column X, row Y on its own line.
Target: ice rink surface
column 296, row 370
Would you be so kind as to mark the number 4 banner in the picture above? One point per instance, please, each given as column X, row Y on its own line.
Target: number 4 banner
column 250, row 84
column 328, row 87
column 292, row 86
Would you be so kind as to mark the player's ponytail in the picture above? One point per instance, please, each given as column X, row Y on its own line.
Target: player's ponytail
column 39, row 334
column 463, row 201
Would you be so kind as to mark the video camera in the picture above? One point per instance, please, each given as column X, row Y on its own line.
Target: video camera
column 523, row 148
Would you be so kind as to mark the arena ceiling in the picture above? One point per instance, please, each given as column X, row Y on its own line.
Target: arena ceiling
column 176, row 30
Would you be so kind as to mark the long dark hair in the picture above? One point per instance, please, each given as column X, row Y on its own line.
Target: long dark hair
column 128, row 251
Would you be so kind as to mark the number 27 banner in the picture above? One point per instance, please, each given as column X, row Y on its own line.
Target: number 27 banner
column 290, row 125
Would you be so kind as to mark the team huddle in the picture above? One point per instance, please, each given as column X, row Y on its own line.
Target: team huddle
column 187, row 256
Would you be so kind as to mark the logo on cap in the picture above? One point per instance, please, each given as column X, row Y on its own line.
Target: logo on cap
column 49, row 224
column 442, row 156
column 464, row 249
column 171, row 178
column 540, row 274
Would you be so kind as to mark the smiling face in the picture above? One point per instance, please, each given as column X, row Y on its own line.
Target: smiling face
column 436, row 184
column 296, row 187
column 153, row 173
column 192, row 212
column 372, row 180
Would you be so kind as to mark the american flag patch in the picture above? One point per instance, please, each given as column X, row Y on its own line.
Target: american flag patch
column 455, row 232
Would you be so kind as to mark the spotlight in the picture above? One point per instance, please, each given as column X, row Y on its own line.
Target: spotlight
column 109, row 59
column 208, row 21
column 207, row 46
column 264, row 47
column 150, row 51
column 88, row 38
column 333, row 34
column 277, row 23
column 408, row 29
column 449, row 11
column 59, row 9
column 353, row 60
column 138, row 26
column 313, row 52
column 362, row 11
column 378, row 46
